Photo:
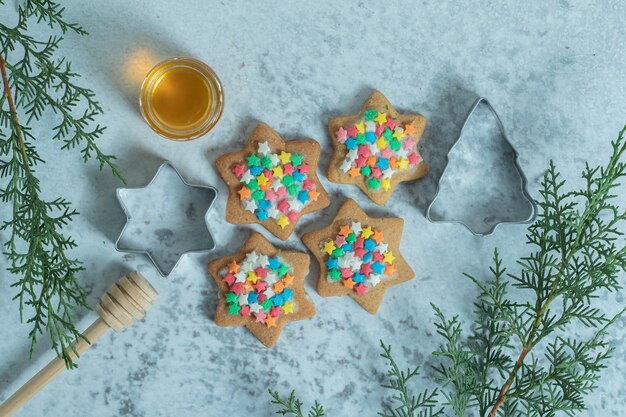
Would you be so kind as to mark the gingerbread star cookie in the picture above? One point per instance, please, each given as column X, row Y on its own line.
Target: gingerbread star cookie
column 377, row 148
column 359, row 256
column 272, row 182
column 261, row 288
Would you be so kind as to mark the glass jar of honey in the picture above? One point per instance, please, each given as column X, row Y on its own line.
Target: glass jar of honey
column 181, row 98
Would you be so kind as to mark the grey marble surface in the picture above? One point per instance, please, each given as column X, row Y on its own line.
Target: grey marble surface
column 553, row 70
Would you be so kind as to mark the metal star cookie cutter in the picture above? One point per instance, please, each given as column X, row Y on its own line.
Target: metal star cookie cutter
column 523, row 181
column 166, row 212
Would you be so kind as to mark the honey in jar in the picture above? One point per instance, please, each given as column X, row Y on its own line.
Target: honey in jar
column 181, row 98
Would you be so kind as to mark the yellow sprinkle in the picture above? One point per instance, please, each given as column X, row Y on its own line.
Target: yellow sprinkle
column 403, row 164
column 283, row 221
column 329, row 247
column 398, row 133
column 366, row 232
column 278, row 171
column 252, row 277
column 388, row 257
column 284, row 157
column 262, row 179
column 381, row 143
column 288, row 307
column 385, row 184
column 381, row 118
column 360, row 127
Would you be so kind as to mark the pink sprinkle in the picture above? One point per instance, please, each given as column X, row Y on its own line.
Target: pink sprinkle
column 244, row 311
column 342, row 135
column 376, row 257
column 237, row 288
column 414, row 159
column 408, row 144
column 229, row 278
column 261, row 272
column 260, row 286
column 304, row 168
column 360, row 289
column 268, row 173
column 376, row 172
column 366, row 269
column 386, row 153
column 380, row 129
column 308, row 185
column 283, row 206
column 288, row 169
column 239, row 170
column 260, row 317
column 340, row 240
column 353, row 131
column 391, row 123
column 293, row 216
column 270, row 195
column 358, row 244
column 361, row 161
column 359, row 252
column 262, row 297
column 276, row 311
column 281, row 192
column 364, row 150
column 346, row 273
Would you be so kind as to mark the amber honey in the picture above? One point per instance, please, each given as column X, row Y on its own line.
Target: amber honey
column 181, row 98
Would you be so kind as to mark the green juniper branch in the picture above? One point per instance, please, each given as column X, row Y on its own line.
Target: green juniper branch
column 34, row 81
column 518, row 360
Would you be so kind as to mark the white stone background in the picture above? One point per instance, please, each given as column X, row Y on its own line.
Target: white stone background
column 553, row 70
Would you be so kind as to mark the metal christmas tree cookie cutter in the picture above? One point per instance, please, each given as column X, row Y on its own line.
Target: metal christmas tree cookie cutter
column 153, row 208
column 523, row 181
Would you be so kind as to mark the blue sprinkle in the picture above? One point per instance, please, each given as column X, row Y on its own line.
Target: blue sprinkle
column 261, row 214
column 278, row 300
column 351, row 143
column 370, row 137
column 367, row 257
column 358, row 277
column 369, row 245
column 274, row 263
column 256, row 170
column 297, row 176
column 383, row 163
column 287, row 294
column 264, row 204
column 303, row 196
column 347, row 247
column 378, row 267
column 331, row 262
column 253, row 297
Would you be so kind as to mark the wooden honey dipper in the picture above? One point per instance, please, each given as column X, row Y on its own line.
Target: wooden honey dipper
column 126, row 301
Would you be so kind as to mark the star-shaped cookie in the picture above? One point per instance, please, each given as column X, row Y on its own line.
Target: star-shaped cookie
column 272, row 181
column 359, row 256
column 377, row 148
column 261, row 288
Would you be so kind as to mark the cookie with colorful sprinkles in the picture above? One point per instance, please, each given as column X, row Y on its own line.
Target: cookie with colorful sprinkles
column 272, row 182
column 261, row 288
column 376, row 149
column 359, row 256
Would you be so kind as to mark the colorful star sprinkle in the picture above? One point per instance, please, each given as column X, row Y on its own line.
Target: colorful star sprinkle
column 260, row 287
column 357, row 257
column 272, row 182
column 357, row 253
column 377, row 148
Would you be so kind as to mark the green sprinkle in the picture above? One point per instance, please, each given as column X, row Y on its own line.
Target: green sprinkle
column 253, row 184
column 293, row 189
column 388, row 134
column 360, row 139
column 267, row 304
column 351, row 238
column 231, row 297
column 369, row 114
column 366, row 170
column 334, row 274
column 394, row 144
column 282, row 270
column 266, row 162
column 233, row 308
column 338, row 253
column 296, row 159
column 258, row 195
column 253, row 160
column 373, row 183
column 287, row 180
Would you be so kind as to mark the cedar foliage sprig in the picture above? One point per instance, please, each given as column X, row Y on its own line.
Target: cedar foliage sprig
column 519, row 360
column 35, row 81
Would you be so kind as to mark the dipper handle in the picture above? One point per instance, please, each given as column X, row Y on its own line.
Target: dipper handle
column 127, row 300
